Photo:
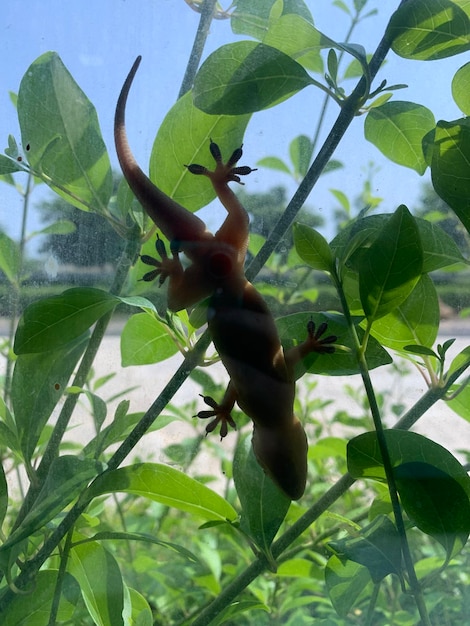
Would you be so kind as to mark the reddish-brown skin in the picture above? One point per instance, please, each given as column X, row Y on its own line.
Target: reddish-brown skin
column 242, row 328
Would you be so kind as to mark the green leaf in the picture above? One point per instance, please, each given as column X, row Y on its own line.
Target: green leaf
column 439, row 249
column 68, row 476
column 421, row 350
column 141, row 611
column 377, row 547
column 264, row 506
column 450, row 166
column 60, row 127
column 274, row 163
column 144, row 538
column 123, row 423
column 139, row 302
column 460, row 404
column 436, row 503
column 184, row 137
column 53, row 322
column 365, row 460
column 397, row 129
column 342, row 199
column 39, row 381
column 430, row 29
column 60, row 227
column 461, row 88
column 3, row 495
column 313, row 248
column 230, row 614
column 100, row 580
column 298, row 38
column 293, row 330
column 145, row 340
column 391, row 266
column 414, row 321
column 301, row 151
column 345, row 583
column 36, row 610
column 245, row 77
column 253, row 18
column 168, row 486
column 9, row 257
column 8, row 166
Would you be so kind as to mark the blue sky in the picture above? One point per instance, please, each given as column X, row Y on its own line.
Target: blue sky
column 99, row 41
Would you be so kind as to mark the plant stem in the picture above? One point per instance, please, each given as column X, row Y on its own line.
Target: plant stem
column 387, row 463
column 207, row 14
column 60, row 579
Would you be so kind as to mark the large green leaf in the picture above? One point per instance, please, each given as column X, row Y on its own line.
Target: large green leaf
column 450, row 168
column 168, row 486
column 414, row 321
column 244, row 77
column 39, row 381
column 439, row 249
column 36, row 610
column 293, row 330
column 53, row 322
column 264, row 506
column 253, row 18
column 365, row 460
column 391, row 266
column 313, row 248
column 436, row 502
column 377, row 547
column 430, row 29
column 433, row 485
column 100, row 580
column 345, row 582
column 298, row 38
column 397, row 129
column 60, row 128
column 145, row 340
column 184, row 137
column 461, row 88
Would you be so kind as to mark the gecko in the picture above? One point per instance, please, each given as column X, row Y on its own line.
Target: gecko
column 241, row 326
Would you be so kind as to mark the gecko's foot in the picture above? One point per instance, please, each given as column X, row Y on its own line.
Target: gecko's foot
column 164, row 266
column 318, row 343
column 220, row 414
column 223, row 172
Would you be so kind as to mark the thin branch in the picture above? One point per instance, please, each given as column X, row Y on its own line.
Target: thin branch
column 207, row 15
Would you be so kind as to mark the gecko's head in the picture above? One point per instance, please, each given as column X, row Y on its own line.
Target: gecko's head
column 282, row 453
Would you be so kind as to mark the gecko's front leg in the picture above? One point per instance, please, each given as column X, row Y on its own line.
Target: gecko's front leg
column 164, row 266
column 221, row 412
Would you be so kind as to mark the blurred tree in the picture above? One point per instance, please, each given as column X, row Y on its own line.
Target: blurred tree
column 266, row 208
column 93, row 243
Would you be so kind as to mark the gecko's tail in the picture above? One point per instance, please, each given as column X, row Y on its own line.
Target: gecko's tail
column 282, row 453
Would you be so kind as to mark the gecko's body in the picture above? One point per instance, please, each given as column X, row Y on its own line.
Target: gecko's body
column 242, row 328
